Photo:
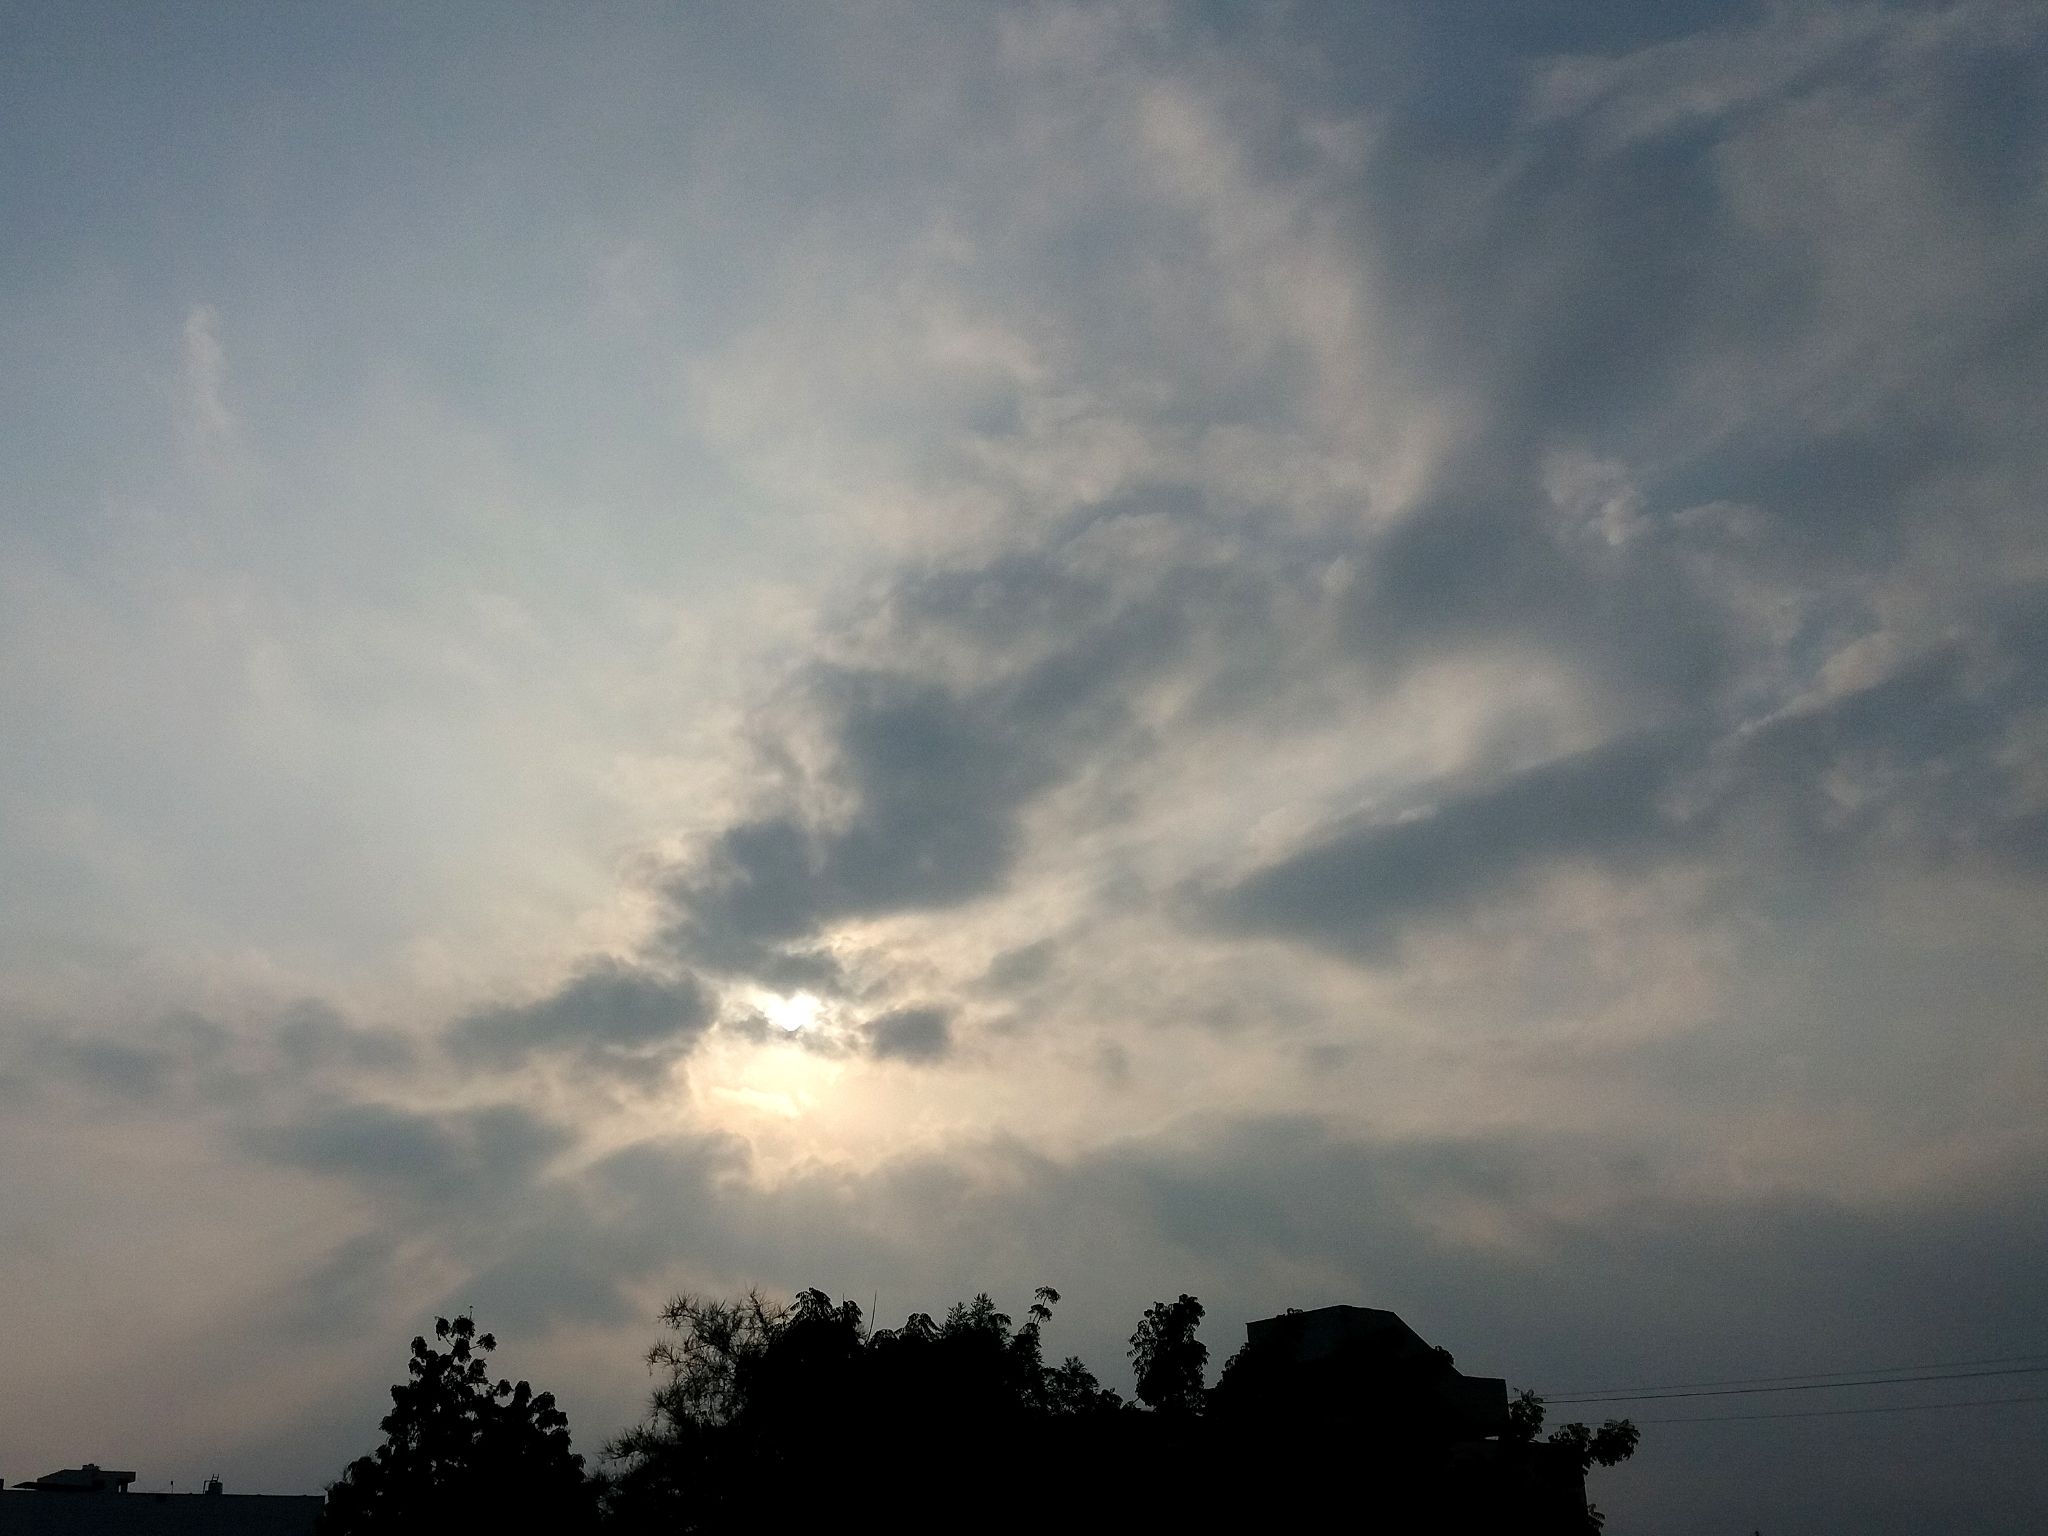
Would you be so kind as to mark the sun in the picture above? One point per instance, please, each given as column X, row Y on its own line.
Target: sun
column 791, row 1012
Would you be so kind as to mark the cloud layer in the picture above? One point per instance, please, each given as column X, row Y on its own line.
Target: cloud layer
column 1303, row 656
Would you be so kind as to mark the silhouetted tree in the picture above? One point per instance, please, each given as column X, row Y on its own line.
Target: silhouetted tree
column 462, row 1451
column 1612, row 1443
column 684, row 1467
column 1609, row 1445
column 1525, row 1418
column 1169, row 1360
column 1072, row 1390
column 770, row 1416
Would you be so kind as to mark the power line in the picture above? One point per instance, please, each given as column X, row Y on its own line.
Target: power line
column 1860, row 1370
column 1807, row 1381
column 1826, row 1413
column 1806, row 1386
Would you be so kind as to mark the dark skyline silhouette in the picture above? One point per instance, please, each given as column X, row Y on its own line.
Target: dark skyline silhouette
column 768, row 1415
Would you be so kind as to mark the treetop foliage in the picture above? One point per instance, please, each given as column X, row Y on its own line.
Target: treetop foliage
column 770, row 1415
column 459, row 1447
column 1169, row 1360
column 1609, row 1445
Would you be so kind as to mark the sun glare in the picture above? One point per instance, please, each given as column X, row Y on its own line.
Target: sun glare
column 793, row 1012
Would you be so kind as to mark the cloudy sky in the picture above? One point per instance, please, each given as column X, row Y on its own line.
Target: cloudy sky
column 1392, row 653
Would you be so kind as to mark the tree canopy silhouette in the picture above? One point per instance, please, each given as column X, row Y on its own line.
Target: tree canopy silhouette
column 771, row 1416
column 1169, row 1360
column 1609, row 1445
column 763, row 1410
column 461, row 1451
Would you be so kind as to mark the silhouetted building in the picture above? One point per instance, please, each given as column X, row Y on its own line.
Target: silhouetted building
column 1361, row 1409
column 95, row 1501
column 90, row 1478
column 1360, row 1360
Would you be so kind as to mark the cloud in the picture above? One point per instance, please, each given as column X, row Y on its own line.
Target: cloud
column 208, row 421
column 923, row 778
column 1516, row 566
column 314, row 1036
column 592, row 1244
column 1916, row 761
column 611, row 1015
column 484, row 1155
column 179, row 1057
column 1466, row 596
column 1022, row 967
column 1919, row 762
column 933, row 779
column 185, row 1059
column 1354, row 891
column 918, row 1035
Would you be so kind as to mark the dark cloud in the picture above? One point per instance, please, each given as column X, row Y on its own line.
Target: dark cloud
column 1507, row 570
column 938, row 779
column 632, row 1215
column 344, row 1292
column 935, row 775
column 994, row 680
column 919, row 1035
column 750, row 1026
column 190, row 1059
column 1656, row 261
column 480, row 1155
column 612, row 1015
column 935, row 778
column 126, row 1071
column 1658, row 222
column 1024, row 966
column 314, row 1036
column 180, row 1055
column 1355, row 891
column 1919, row 762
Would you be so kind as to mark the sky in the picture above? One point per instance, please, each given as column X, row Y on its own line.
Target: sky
column 1392, row 654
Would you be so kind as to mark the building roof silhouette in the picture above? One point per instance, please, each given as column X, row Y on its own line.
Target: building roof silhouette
column 90, row 1478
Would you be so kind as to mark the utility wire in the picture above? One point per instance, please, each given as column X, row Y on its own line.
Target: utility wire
column 1799, row 1383
column 1826, row 1413
column 1859, row 1370
column 1808, row 1386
